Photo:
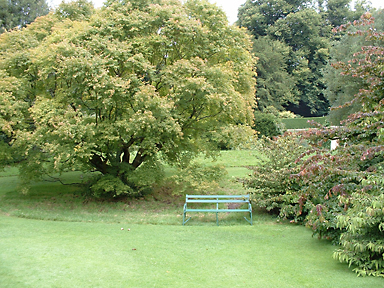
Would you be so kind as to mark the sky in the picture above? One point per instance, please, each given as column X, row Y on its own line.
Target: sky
column 229, row 6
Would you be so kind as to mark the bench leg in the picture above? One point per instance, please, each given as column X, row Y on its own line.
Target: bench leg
column 250, row 216
column 184, row 216
column 217, row 219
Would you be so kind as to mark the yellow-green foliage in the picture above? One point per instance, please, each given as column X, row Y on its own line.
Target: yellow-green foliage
column 113, row 88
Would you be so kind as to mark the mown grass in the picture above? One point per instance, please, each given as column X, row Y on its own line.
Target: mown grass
column 37, row 253
column 54, row 237
column 302, row 123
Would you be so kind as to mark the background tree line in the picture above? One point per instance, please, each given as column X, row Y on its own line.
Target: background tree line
column 293, row 41
column 19, row 13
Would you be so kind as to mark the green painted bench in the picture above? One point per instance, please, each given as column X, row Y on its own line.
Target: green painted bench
column 231, row 203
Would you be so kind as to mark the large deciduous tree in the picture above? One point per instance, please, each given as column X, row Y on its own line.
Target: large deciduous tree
column 305, row 33
column 339, row 12
column 119, row 88
column 258, row 16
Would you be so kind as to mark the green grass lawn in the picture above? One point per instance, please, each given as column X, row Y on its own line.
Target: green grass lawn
column 53, row 237
column 36, row 253
column 234, row 158
column 302, row 123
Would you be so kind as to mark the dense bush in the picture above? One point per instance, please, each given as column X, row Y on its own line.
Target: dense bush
column 326, row 176
column 266, row 124
column 301, row 182
column 271, row 185
column 363, row 242
column 332, row 192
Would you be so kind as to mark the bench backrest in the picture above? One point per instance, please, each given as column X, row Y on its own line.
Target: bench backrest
column 217, row 198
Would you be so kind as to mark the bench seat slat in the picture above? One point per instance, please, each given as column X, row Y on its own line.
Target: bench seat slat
column 216, row 201
column 216, row 210
column 217, row 196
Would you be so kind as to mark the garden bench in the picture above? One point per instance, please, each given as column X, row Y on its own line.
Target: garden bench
column 217, row 204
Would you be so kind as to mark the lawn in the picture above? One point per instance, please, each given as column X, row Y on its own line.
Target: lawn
column 302, row 123
column 38, row 253
column 53, row 237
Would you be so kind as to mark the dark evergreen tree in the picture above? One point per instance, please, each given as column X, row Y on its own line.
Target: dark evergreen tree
column 275, row 86
column 257, row 16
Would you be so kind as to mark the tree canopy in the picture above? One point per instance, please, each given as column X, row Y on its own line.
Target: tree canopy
column 118, row 89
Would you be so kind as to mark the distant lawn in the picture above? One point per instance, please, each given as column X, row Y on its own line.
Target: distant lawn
column 302, row 123
column 233, row 158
